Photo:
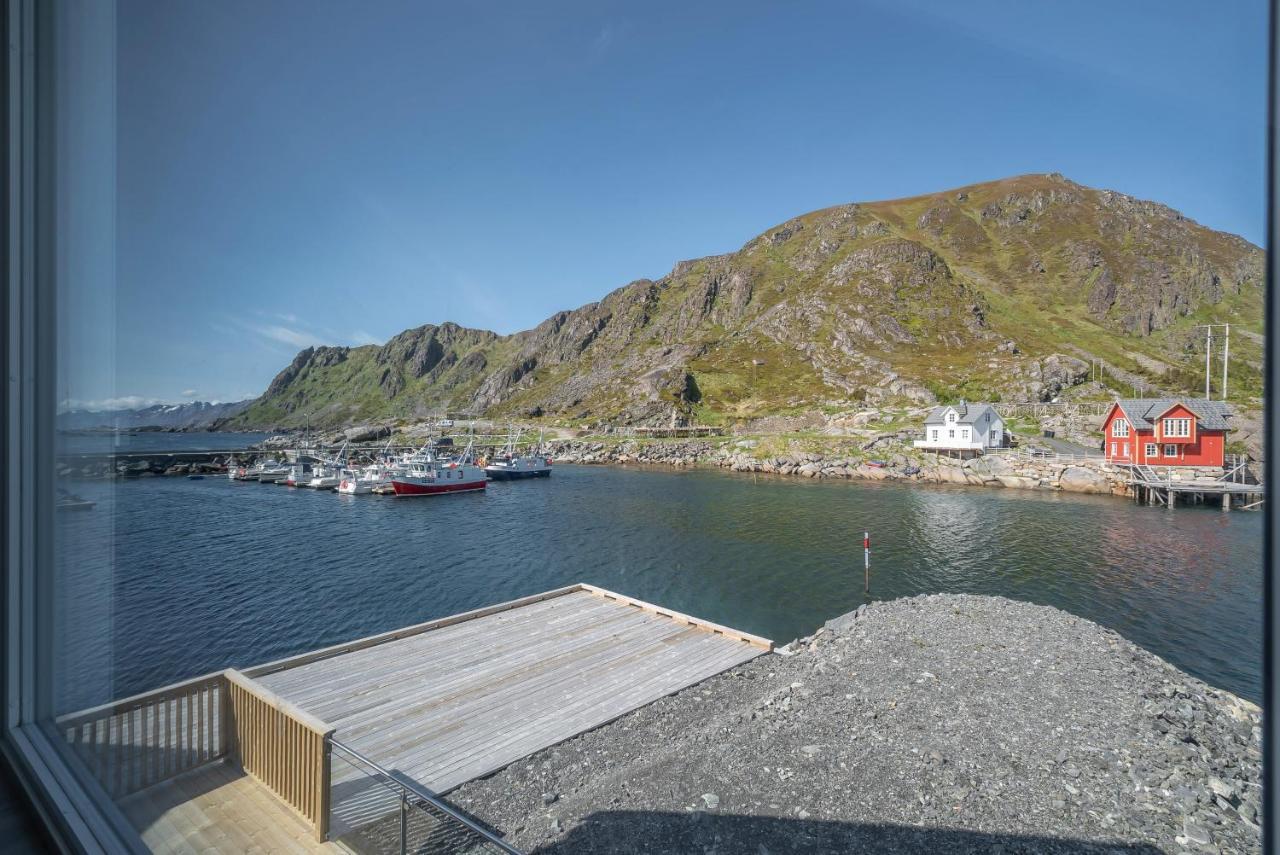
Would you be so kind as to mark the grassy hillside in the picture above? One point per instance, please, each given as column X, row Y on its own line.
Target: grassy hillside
column 1007, row 290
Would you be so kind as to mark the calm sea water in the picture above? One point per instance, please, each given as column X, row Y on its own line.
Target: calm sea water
column 122, row 443
column 169, row 578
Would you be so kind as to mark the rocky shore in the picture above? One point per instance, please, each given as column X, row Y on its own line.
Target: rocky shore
column 946, row 723
column 885, row 459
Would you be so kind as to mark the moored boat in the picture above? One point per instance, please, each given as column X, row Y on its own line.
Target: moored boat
column 510, row 464
column 427, row 476
column 356, row 482
column 299, row 475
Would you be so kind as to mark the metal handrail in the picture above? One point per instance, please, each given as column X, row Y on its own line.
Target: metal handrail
column 428, row 797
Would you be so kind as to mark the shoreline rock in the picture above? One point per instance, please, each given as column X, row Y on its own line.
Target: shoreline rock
column 900, row 464
column 950, row 723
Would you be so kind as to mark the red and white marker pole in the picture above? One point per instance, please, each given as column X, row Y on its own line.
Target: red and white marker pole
column 866, row 562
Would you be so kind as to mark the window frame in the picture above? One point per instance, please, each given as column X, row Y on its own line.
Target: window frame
column 76, row 813
column 1120, row 428
column 1182, row 424
column 1170, row 450
column 1151, row 449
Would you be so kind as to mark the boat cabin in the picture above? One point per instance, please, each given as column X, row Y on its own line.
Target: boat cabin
column 1166, row 432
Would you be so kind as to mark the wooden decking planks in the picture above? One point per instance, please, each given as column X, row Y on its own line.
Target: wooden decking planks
column 217, row 808
column 454, row 703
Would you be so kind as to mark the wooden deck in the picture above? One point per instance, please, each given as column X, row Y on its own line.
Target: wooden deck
column 218, row 808
column 447, row 702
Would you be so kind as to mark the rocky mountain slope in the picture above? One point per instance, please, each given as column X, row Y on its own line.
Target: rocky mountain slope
column 1007, row 290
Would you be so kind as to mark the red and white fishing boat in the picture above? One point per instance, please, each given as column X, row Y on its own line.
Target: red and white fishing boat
column 427, row 476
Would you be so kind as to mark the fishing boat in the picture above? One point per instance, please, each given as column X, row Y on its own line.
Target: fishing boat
column 428, row 476
column 325, row 477
column 357, row 482
column 510, row 464
column 328, row 475
column 273, row 472
column 299, row 475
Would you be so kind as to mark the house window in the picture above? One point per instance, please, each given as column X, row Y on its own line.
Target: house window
column 1152, row 450
column 1120, row 428
column 1113, row 449
column 995, row 437
column 933, row 434
column 1171, row 451
column 1177, row 427
column 951, row 418
column 951, row 434
column 964, row 433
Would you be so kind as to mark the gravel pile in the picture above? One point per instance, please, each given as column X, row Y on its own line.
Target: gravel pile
column 946, row 723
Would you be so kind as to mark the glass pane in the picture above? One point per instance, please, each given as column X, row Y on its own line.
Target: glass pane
column 357, row 428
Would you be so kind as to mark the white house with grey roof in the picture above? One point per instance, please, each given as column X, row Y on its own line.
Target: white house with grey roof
column 962, row 427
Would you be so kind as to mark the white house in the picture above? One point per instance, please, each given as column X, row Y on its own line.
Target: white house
column 962, row 427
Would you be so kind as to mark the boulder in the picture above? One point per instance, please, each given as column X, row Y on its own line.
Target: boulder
column 366, row 433
column 1078, row 479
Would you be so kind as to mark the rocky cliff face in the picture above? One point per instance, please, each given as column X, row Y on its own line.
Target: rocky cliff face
column 1000, row 290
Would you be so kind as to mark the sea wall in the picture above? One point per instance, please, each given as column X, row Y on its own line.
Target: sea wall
column 901, row 464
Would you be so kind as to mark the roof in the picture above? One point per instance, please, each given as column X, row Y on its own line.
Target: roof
column 1142, row 412
column 967, row 414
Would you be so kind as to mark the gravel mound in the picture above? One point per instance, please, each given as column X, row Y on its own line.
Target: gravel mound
column 947, row 723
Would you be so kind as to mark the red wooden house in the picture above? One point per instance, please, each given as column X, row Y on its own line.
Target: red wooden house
column 1166, row 432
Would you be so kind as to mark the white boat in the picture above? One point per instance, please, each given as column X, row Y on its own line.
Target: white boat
column 427, row 476
column 328, row 475
column 324, row 478
column 299, row 475
column 510, row 464
column 272, row 473
column 357, row 482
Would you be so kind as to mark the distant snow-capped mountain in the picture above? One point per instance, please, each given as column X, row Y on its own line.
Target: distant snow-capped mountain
column 196, row 415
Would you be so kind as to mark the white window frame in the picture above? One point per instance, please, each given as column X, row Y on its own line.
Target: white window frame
column 1151, row 449
column 1177, row 427
column 1170, row 449
column 951, row 434
column 1120, row 427
column 934, row 432
column 951, row 418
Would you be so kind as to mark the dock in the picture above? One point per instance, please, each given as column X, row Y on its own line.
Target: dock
column 1147, row 485
column 357, row 744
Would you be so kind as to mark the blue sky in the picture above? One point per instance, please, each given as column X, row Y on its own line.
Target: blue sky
column 330, row 172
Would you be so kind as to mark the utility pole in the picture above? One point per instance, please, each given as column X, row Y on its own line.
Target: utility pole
column 1226, row 352
column 1208, row 354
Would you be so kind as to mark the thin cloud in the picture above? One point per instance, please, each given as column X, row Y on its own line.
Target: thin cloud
column 288, row 335
column 360, row 337
column 189, row 393
column 603, row 40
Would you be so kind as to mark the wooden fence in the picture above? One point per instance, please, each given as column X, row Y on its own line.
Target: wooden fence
column 142, row 740
column 131, row 744
column 284, row 747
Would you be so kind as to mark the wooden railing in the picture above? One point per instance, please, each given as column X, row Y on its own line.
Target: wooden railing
column 136, row 742
column 284, row 747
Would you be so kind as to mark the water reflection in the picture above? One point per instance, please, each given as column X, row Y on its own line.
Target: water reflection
column 210, row 573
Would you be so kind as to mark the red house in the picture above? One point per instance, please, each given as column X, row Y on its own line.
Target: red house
column 1166, row 432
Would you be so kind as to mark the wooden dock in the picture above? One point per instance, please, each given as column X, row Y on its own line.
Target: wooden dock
column 458, row 699
column 1147, row 485
column 348, row 739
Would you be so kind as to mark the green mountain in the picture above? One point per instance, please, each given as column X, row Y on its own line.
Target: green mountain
column 1008, row 290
